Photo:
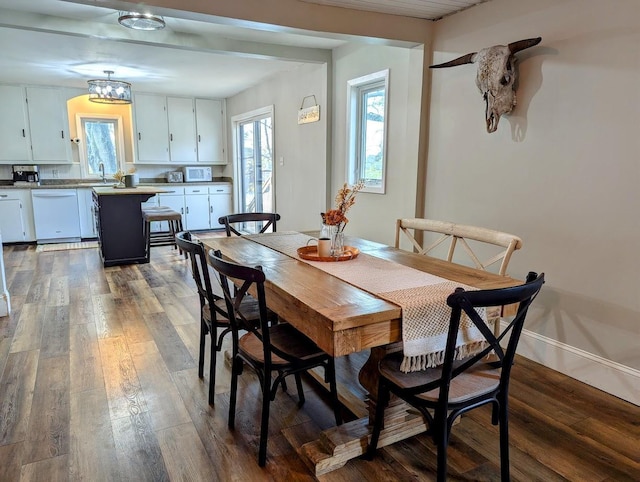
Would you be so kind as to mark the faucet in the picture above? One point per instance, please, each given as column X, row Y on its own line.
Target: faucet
column 101, row 169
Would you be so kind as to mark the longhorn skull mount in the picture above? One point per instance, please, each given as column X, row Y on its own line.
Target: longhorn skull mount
column 496, row 77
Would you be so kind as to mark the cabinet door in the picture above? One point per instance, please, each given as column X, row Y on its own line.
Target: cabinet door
column 210, row 128
column 197, row 211
column 152, row 128
column 14, row 130
column 87, row 213
column 220, row 204
column 182, row 130
column 11, row 225
column 173, row 201
column 49, row 125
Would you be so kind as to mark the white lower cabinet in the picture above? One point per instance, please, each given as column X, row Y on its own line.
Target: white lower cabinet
column 86, row 210
column 173, row 199
column 16, row 216
column 220, row 203
column 196, row 208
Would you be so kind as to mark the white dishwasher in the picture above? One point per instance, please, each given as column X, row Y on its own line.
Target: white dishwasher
column 56, row 215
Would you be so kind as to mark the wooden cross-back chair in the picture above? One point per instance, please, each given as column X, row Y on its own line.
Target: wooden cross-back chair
column 264, row 220
column 273, row 351
column 458, row 234
column 443, row 393
column 213, row 308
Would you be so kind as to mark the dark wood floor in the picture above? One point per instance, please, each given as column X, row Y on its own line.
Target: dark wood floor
column 98, row 381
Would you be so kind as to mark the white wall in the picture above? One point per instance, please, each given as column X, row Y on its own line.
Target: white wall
column 374, row 215
column 301, row 180
column 562, row 171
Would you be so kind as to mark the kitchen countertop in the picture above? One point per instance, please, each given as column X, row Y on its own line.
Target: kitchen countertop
column 77, row 183
column 117, row 191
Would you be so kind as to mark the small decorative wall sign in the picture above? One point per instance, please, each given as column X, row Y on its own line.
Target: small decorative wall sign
column 309, row 114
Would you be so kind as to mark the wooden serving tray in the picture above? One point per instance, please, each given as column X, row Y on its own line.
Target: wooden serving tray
column 310, row 253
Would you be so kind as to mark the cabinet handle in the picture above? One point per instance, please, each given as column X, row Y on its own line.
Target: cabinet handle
column 139, row 137
column 199, row 138
column 171, row 137
column 4, row 195
column 23, row 133
column 62, row 133
column 181, row 210
column 211, row 209
column 187, row 209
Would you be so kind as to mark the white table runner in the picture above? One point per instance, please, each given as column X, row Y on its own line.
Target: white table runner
column 422, row 297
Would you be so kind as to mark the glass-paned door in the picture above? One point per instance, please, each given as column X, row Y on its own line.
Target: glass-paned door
column 255, row 164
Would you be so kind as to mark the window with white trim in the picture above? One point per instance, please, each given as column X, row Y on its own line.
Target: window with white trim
column 101, row 143
column 367, row 130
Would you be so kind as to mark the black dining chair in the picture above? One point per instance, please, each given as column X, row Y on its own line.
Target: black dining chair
column 233, row 222
column 268, row 349
column 459, row 386
column 213, row 308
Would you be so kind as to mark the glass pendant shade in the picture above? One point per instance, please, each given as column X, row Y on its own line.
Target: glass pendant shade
column 141, row 21
column 108, row 91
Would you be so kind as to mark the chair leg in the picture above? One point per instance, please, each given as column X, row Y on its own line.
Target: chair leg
column 234, row 389
column 212, row 366
column 442, row 442
column 264, row 425
column 203, row 335
column 301, row 399
column 504, row 442
column 383, row 399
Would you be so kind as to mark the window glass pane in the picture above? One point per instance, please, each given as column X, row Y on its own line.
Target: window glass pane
column 100, row 138
column 372, row 152
column 367, row 130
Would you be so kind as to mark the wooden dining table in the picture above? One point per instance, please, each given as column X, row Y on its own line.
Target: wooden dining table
column 343, row 319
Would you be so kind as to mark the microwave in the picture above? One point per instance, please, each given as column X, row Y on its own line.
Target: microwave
column 196, row 173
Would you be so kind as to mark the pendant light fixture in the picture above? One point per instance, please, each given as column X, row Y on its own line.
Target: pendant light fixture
column 141, row 21
column 108, row 91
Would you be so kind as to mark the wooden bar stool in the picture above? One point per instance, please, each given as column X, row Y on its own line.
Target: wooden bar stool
column 163, row 238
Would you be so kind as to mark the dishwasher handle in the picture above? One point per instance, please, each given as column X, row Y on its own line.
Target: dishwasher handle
column 52, row 194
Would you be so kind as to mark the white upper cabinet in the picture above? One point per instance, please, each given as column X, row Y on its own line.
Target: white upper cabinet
column 182, row 130
column 14, row 125
column 179, row 130
column 210, row 128
column 152, row 128
column 49, row 125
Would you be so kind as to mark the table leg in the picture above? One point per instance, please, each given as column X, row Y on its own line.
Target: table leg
column 337, row 445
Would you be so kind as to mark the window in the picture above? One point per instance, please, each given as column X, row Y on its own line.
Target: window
column 367, row 136
column 101, row 142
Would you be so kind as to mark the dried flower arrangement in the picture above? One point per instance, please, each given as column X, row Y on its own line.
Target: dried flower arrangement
column 345, row 198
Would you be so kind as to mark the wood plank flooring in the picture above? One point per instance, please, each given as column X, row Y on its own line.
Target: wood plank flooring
column 98, row 381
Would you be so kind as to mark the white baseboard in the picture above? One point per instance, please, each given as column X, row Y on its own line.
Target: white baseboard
column 611, row 377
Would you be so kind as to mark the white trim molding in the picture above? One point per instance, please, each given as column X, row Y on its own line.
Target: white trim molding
column 611, row 377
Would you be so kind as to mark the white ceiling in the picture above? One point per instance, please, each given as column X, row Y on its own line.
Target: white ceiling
column 54, row 42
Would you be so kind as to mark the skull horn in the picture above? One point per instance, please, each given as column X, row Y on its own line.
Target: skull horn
column 515, row 47
column 465, row 59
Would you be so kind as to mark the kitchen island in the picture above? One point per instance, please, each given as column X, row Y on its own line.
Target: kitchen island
column 119, row 223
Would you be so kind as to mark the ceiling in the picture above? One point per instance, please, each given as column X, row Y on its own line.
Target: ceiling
column 54, row 42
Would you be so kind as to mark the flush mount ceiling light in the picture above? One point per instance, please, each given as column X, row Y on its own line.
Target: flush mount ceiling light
column 108, row 91
column 141, row 21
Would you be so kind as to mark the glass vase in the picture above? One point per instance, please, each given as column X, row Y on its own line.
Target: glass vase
column 334, row 233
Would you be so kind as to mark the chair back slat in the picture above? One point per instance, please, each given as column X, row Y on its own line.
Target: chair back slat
column 459, row 234
column 232, row 222
column 199, row 269
column 467, row 302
